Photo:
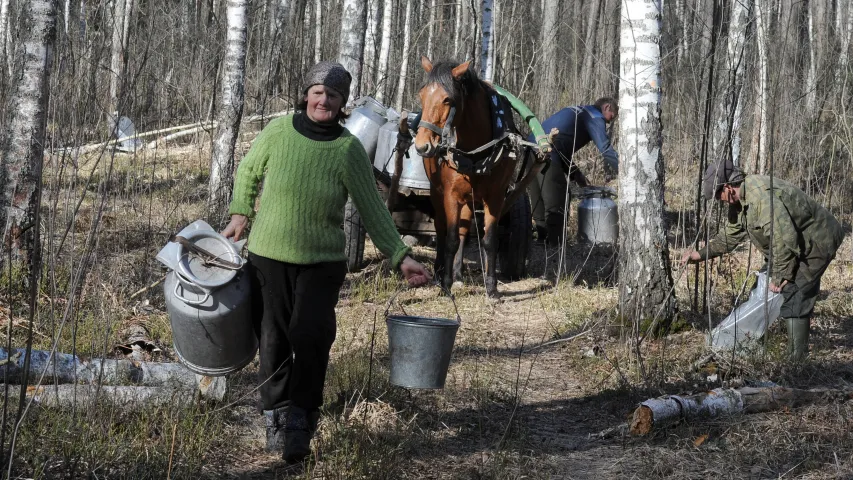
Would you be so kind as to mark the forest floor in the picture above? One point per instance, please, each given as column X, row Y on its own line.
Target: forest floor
column 517, row 407
column 514, row 405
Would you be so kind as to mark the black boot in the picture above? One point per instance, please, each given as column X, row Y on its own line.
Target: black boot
column 275, row 422
column 299, row 429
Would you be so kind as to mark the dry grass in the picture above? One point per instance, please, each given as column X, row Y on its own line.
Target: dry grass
column 515, row 405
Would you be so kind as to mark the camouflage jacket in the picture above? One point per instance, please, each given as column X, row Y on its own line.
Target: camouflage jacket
column 794, row 228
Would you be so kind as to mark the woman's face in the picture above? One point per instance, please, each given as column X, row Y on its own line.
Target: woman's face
column 324, row 103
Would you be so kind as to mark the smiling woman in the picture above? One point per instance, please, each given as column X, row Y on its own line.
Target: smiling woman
column 309, row 165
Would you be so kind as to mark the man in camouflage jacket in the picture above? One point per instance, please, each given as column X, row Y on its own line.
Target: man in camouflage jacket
column 797, row 236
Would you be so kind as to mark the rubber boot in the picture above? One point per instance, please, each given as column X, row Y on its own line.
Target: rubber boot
column 275, row 422
column 555, row 231
column 798, row 338
column 299, row 429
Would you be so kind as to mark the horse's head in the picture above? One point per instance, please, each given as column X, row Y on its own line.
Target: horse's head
column 442, row 98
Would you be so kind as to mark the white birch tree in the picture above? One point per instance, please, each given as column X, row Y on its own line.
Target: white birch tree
column 4, row 34
column 369, row 64
column 318, row 31
column 351, row 50
column 404, row 64
column 384, row 51
column 589, row 52
column 122, row 11
column 727, row 130
column 23, row 134
column 430, row 28
column 845, row 34
column 487, row 67
column 230, row 109
column 811, row 74
column 548, row 60
column 457, row 10
column 759, row 153
column 645, row 280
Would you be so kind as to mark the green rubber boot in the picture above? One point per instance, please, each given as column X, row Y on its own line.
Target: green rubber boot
column 798, row 338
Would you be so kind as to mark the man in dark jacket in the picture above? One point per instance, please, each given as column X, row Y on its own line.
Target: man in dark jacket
column 576, row 126
column 797, row 236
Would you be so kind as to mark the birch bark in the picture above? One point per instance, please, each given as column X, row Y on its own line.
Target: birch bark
column 23, row 135
column 404, row 65
column 384, row 51
column 351, row 49
column 118, row 60
column 548, row 60
column 486, row 62
column 318, row 31
column 645, row 280
column 759, row 152
column 727, row 130
column 4, row 35
column 230, row 109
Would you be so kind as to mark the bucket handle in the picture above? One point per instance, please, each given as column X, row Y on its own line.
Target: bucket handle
column 439, row 285
column 186, row 300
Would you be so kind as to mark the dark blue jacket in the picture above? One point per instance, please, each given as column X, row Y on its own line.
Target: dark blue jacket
column 577, row 126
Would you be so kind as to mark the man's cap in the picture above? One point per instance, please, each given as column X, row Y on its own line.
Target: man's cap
column 330, row 74
column 719, row 174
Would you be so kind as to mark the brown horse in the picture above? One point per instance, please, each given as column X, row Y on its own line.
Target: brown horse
column 454, row 94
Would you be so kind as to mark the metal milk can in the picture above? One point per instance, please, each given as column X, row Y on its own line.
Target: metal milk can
column 208, row 299
column 413, row 175
column 364, row 122
column 598, row 216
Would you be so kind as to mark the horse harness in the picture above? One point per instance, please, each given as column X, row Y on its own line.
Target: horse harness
column 480, row 161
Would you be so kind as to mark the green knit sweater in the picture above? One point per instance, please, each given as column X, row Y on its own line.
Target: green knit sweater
column 305, row 188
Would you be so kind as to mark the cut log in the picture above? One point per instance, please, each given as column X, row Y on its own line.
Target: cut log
column 64, row 368
column 660, row 412
column 68, row 395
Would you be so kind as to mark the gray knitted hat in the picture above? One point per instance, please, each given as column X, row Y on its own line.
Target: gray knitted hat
column 330, row 74
column 719, row 174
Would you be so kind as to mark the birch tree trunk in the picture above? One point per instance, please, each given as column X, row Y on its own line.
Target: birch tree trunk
column 351, row 50
column 758, row 154
column 739, row 30
column 122, row 10
column 23, row 135
column 230, row 110
column 548, row 59
column 845, row 34
column 457, row 9
column 4, row 35
column 430, row 28
column 645, row 280
column 404, row 65
column 384, row 51
column 318, row 31
column 486, row 63
column 810, row 86
column 589, row 51
column 369, row 64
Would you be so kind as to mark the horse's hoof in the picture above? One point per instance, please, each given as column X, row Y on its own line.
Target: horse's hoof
column 457, row 285
column 493, row 295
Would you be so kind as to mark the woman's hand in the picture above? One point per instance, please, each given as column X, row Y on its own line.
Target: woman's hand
column 416, row 274
column 235, row 228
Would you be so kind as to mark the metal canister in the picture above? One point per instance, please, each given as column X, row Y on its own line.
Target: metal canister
column 413, row 175
column 364, row 122
column 598, row 216
column 210, row 308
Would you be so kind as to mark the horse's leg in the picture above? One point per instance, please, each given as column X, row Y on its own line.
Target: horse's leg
column 492, row 205
column 464, row 224
column 440, row 223
column 452, row 210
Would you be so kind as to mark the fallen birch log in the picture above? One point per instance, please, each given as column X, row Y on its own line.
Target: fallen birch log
column 82, row 395
column 660, row 412
column 64, row 368
column 195, row 127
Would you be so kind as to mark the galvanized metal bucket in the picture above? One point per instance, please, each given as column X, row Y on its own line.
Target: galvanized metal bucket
column 420, row 349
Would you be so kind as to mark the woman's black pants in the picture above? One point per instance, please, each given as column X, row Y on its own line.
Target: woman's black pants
column 294, row 318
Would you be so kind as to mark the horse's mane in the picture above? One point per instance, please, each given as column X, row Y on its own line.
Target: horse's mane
column 457, row 90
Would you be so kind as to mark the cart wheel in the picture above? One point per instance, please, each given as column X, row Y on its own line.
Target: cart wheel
column 516, row 233
column 354, row 233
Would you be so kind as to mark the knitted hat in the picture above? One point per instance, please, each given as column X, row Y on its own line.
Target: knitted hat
column 330, row 74
column 719, row 174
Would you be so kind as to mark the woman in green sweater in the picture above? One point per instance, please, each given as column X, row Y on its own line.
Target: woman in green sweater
column 309, row 164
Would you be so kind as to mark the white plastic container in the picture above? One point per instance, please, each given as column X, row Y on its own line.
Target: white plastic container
column 751, row 319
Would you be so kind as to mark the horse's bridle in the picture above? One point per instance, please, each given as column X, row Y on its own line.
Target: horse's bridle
column 448, row 136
